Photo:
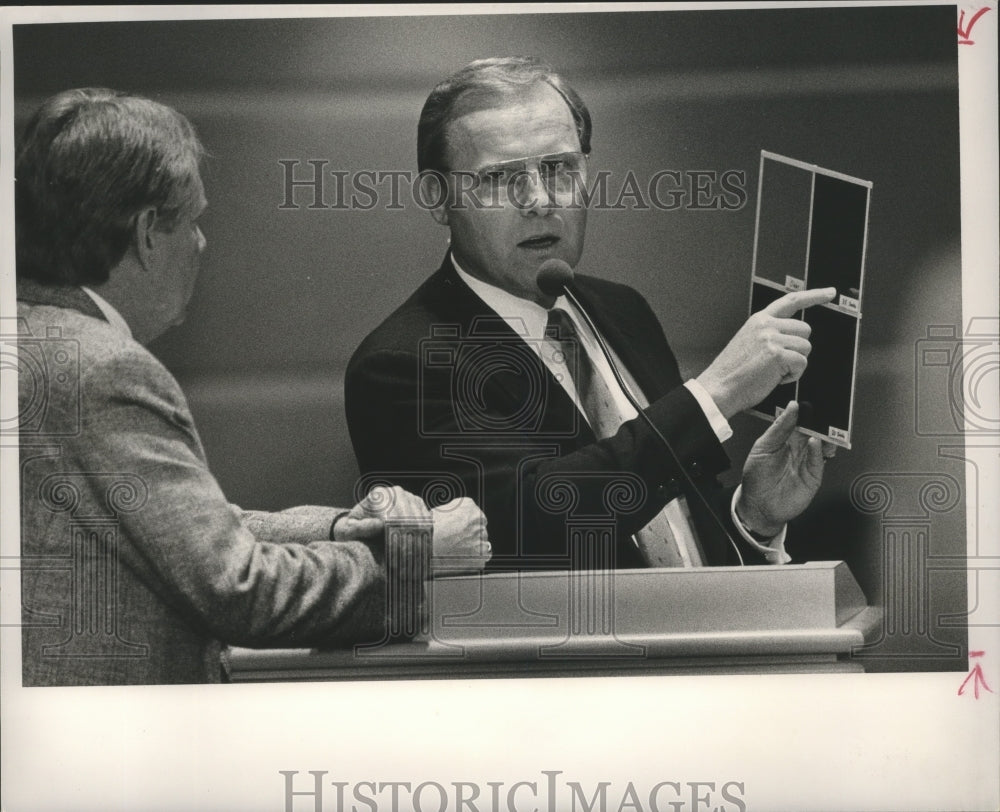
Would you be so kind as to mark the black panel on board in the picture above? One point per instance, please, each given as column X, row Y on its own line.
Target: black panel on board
column 827, row 382
column 837, row 238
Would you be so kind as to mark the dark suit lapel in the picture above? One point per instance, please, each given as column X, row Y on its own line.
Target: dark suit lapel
column 634, row 346
column 73, row 298
column 452, row 301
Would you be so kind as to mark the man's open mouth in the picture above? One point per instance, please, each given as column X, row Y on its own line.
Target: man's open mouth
column 539, row 242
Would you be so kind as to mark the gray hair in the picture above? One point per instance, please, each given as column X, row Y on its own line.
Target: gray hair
column 90, row 161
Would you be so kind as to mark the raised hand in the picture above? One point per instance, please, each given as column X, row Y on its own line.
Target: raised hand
column 769, row 349
column 782, row 474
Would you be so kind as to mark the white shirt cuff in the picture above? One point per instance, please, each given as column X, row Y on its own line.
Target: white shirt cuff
column 774, row 549
column 715, row 418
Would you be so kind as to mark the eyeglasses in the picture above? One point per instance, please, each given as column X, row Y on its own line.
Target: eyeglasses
column 558, row 173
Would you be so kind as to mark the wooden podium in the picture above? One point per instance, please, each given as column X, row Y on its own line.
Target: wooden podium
column 718, row 620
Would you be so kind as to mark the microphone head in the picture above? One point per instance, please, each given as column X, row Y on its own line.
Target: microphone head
column 553, row 276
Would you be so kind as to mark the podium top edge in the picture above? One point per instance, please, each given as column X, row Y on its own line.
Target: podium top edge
column 659, row 571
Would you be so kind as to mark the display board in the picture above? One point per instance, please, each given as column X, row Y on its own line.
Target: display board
column 811, row 232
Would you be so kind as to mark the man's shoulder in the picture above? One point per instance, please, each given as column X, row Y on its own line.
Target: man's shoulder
column 607, row 291
column 441, row 299
column 41, row 319
column 443, row 305
column 50, row 327
column 88, row 353
column 91, row 338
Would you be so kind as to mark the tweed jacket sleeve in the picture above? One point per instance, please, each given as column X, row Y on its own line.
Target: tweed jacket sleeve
column 194, row 549
column 297, row 525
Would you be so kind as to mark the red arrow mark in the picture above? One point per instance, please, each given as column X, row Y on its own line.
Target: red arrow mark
column 964, row 34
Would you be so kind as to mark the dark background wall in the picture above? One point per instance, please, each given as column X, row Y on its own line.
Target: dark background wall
column 286, row 295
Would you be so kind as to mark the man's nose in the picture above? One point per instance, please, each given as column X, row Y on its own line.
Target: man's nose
column 202, row 242
column 534, row 195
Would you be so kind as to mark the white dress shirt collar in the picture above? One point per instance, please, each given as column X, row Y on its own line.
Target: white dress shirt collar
column 517, row 312
column 113, row 316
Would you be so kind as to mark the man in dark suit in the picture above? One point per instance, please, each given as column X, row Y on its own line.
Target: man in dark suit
column 135, row 567
column 483, row 377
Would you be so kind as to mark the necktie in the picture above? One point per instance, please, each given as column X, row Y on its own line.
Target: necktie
column 595, row 398
column 656, row 540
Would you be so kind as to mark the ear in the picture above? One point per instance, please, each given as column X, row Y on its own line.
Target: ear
column 146, row 237
column 434, row 190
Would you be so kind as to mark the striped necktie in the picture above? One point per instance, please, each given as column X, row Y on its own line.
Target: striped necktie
column 657, row 542
column 595, row 398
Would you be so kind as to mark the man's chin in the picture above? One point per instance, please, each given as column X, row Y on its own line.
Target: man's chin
column 176, row 321
column 533, row 259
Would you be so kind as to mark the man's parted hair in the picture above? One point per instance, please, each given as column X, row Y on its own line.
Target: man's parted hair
column 90, row 161
column 481, row 85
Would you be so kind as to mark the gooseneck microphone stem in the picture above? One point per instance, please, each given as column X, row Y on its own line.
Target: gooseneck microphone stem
column 554, row 277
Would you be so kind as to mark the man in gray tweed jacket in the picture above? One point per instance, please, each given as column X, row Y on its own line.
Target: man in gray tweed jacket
column 136, row 569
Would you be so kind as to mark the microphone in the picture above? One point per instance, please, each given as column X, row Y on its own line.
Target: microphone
column 553, row 279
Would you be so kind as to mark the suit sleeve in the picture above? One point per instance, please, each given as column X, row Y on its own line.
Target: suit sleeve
column 710, row 505
column 191, row 547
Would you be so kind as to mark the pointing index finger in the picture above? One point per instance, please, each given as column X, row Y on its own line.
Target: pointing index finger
column 793, row 302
